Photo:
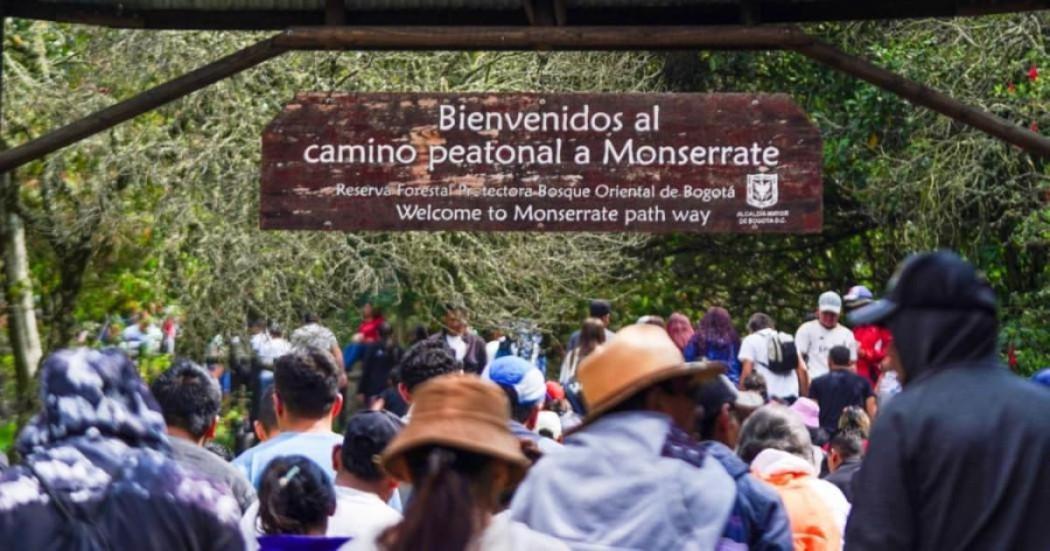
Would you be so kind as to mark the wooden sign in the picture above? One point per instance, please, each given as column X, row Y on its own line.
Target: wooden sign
column 554, row 162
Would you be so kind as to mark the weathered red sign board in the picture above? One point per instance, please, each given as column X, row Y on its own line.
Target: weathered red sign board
column 547, row 162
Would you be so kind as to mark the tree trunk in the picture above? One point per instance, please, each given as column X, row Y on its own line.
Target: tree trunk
column 18, row 294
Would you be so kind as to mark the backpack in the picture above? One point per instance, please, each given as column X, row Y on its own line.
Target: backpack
column 783, row 356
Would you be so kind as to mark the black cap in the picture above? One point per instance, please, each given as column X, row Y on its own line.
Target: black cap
column 930, row 281
column 366, row 436
column 714, row 394
column 600, row 308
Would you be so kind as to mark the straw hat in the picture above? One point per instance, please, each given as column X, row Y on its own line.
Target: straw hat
column 458, row 411
column 638, row 357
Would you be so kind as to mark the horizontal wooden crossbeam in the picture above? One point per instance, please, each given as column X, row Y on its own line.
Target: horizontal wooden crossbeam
column 526, row 38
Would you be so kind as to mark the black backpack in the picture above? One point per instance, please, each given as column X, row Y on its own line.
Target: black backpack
column 783, row 356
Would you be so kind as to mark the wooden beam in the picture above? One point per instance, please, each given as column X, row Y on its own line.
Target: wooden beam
column 540, row 38
column 137, row 105
column 925, row 96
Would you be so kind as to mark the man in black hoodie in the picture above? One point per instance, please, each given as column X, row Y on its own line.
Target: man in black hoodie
column 960, row 459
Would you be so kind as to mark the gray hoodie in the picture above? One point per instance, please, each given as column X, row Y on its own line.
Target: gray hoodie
column 611, row 487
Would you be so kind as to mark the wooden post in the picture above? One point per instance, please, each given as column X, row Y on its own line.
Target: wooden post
column 925, row 96
column 145, row 101
column 539, row 38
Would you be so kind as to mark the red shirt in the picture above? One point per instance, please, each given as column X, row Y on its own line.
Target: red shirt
column 872, row 344
column 369, row 329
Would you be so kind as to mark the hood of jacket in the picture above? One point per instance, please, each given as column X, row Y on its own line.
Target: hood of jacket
column 928, row 340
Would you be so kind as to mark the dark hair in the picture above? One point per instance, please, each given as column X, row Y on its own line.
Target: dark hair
column 599, row 308
column 367, row 435
column 760, row 321
column 424, row 361
column 716, row 327
column 848, row 443
column 295, row 496
column 310, row 317
column 756, row 382
column 451, row 487
column 839, row 356
column 307, row 382
column 818, row 436
column 274, row 329
column 267, row 415
column 592, row 334
column 189, row 397
column 518, row 412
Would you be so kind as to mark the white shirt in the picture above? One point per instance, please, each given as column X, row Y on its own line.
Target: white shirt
column 502, row 534
column 755, row 349
column 814, row 341
column 458, row 346
column 357, row 514
column 272, row 349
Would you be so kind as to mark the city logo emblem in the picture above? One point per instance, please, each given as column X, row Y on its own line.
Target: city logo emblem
column 762, row 190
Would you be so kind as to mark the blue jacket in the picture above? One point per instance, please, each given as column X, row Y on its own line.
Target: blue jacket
column 611, row 486
column 758, row 520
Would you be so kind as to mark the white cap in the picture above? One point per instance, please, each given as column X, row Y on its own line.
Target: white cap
column 549, row 420
column 830, row 301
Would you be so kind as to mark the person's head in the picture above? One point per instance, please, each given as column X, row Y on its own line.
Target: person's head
column 755, row 382
column 275, row 330
column 642, row 369
column 718, row 420
column 306, row 385
column 423, row 361
column 857, row 296
column 386, row 332
column 760, row 321
column 808, row 411
column 144, row 321
column 190, row 400
column 839, row 358
column 258, row 325
column 773, row 426
column 366, row 435
column 940, row 312
column 523, row 384
column 368, row 311
column 854, row 419
column 296, row 497
column 311, row 317
column 844, row 446
column 459, row 456
column 601, row 310
column 680, row 329
column 455, row 319
column 109, row 401
column 592, row 335
column 265, row 424
column 829, row 308
column 716, row 327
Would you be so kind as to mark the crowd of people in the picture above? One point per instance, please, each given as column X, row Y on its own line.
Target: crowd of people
column 903, row 431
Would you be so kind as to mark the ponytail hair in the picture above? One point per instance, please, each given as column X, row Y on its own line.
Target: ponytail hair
column 453, row 489
column 295, row 497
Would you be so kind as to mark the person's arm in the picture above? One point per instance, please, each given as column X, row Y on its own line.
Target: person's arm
column 872, row 406
column 336, row 353
column 745, row 369
column 803, row 378
column 882, row 515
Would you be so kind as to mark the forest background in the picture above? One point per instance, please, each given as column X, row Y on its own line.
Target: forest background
column 163, row 209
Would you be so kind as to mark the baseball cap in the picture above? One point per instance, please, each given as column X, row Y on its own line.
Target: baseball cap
column 1042, row 377
column 858, row 293
column 555, row 391
column 830, row 301
column 939, row 280
column 714, row 394
column 367, row 433
column 520, row 375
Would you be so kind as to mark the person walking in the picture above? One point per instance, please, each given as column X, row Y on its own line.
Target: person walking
column 467, row 348
column 590, row 336
column 872, row 341
column 460, row 458
column 631, row 477
column 97, row 471
column 771, row 354
column 958, row 459
column 839, row 389
column 715, row 339
column 815, row 338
